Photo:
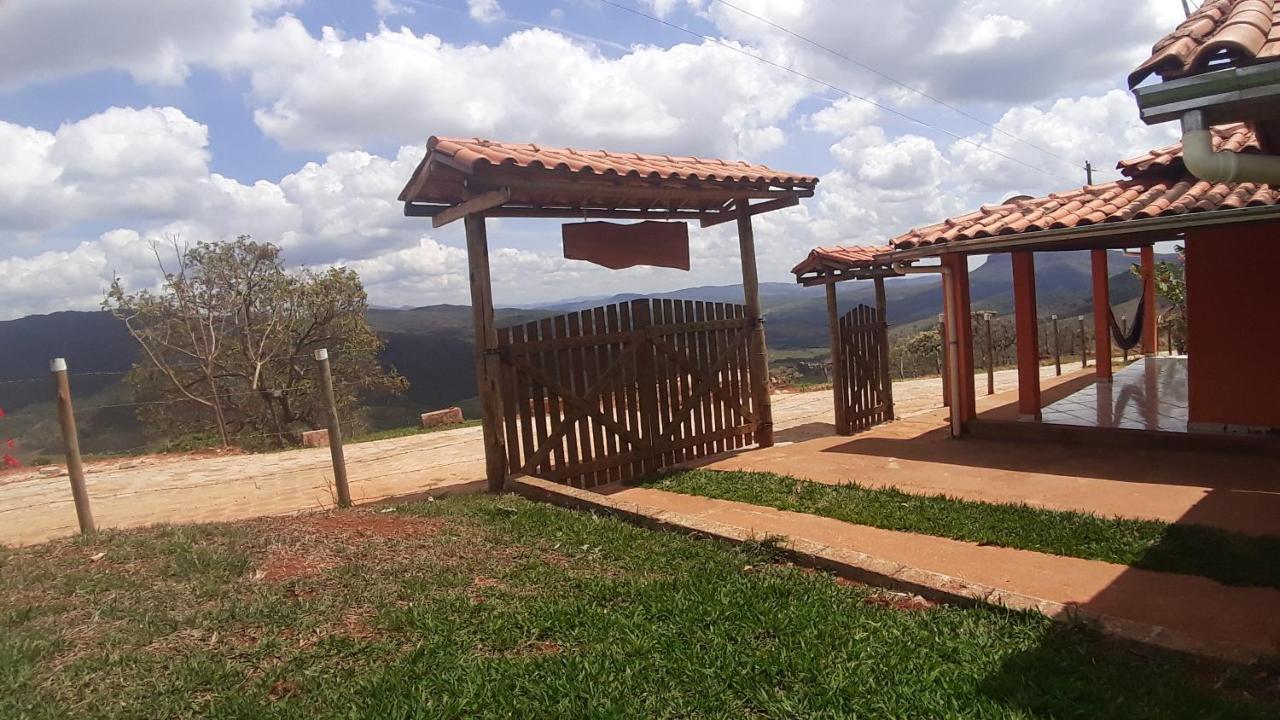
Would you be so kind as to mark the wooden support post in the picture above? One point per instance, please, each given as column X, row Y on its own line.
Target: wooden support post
column 1101, row 313
column 1150, row 332
column 335, row 430
column 486, row 343
column 886, row 377
column 71, row 444
column 945, row 363
column 837, row 362
column 1084, row 345
column 991, row 354
column 1057, row 346
column 759, row 354
column 1024, row 300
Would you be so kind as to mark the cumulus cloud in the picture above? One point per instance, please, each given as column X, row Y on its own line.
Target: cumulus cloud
column 485, row 11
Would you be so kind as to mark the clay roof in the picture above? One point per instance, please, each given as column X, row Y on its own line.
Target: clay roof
column 542, row 177
column 842, row 259
column 1156, row 185
column 1236, row 32
column 1235, row 137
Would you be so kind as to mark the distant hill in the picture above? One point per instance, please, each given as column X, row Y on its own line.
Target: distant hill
column 432, row 346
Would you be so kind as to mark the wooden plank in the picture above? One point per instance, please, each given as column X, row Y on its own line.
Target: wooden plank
column 529, row 347
column 837, row 374
column 705, row 414
column 694, row 326
column 538, row 399
column 647, row 384
column 524, row 405
column 607, row 352
column 631, row 390
column 592, row 372
column 472, row 206
column 546, row 362
column 741, row 360
column 510, row 404
column 563, row 374
column 715, row 311
column 662, row 376
column 757, row 209
column 577, row 381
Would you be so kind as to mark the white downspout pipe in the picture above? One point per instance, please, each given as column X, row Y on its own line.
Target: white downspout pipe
column 952, row 340
column 1222, row 166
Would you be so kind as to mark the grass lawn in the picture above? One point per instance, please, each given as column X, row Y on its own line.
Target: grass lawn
column 1227, row 557
column 490, row 606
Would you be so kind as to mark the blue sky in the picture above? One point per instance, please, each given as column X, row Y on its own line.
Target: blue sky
column 297, row 121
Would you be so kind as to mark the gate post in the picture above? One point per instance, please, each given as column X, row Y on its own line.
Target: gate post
column 759, row 354
column 837, row 361
column 886, row 377
column 488, row 365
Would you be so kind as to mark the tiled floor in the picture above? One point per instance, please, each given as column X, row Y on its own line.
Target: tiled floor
column 1150, row 394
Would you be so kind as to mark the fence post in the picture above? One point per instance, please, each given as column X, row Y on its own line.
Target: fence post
column 1124, row 328
column 335, row 431
column 1057, row 348
column 942, row 364
column 71, row 442
column 991, row 355
column 1084, row 345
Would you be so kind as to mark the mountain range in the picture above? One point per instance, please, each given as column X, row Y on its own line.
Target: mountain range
column 432, row 346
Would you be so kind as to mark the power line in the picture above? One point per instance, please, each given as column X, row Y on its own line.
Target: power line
column 830, row 86
column 896, row 81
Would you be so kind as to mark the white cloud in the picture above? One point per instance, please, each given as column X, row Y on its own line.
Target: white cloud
column 978, row 34
column 484, row 11
column 535, row 85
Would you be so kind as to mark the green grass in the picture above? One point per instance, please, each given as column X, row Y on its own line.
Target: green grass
column 490, row 606
column 1227, row 557
column 408, row 431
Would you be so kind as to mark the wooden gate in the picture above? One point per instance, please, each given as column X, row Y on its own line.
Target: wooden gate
column 624, row 390
column 860, row 371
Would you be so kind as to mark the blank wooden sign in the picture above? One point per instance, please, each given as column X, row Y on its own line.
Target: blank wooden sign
column 617, row 246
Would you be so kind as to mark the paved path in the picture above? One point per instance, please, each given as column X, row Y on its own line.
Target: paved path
column 1234, row 491
column 1182, row 612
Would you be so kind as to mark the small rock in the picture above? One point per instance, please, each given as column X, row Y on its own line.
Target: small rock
column 97, row 556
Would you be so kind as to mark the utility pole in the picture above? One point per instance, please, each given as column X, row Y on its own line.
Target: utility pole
column 1088, row 172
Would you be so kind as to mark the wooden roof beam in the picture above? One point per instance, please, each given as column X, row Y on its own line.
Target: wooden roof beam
column 477, row 204
column 786, row 201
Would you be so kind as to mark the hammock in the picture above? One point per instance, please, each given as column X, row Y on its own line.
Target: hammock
column 1130, row 341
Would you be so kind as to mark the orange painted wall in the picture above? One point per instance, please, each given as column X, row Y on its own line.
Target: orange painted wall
column 1233, row 324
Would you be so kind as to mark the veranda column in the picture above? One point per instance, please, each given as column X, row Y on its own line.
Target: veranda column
column 487, row 361
column 1028, row 335
column 756, row 349
column 1149, row 330
column 837, row 361
column 959, row 265
column 1101, row 315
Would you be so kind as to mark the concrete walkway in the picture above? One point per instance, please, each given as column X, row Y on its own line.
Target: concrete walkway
column 1233, row 491
column 1181, row 612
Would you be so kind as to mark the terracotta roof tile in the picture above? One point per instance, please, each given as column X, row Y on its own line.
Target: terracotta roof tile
column 471, row 154
column 842, row 258
column 1242, row 32
column 1235, row 137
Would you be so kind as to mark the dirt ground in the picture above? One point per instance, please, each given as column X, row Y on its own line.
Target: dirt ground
column 205, row 487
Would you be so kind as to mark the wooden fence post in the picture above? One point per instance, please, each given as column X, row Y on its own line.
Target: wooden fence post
column 335, row 431
column 71, row 443
column 946, row 379
column 758, row 351
column 886, row 378
column 1124, row 328
column 837, row 361
column 991, row 354
column 1057, row 347
column 1084, row 345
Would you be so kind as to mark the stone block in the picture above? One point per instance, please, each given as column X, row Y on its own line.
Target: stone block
column 315, row 438
column 447, row 416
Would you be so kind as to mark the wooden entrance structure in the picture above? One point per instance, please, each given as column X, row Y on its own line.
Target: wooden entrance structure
column 475, row 179
column 623, row 390
column 860, row 371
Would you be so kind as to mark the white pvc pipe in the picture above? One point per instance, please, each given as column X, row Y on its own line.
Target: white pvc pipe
column 1222, row 166
column 953, row 339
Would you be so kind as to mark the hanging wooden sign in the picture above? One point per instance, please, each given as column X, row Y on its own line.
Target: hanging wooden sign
column 617, row 246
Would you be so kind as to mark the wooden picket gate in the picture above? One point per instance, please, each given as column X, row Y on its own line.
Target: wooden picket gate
column 623, row 390
column 860, row 371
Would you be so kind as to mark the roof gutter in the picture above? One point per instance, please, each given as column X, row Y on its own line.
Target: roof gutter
column 1222, row 166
